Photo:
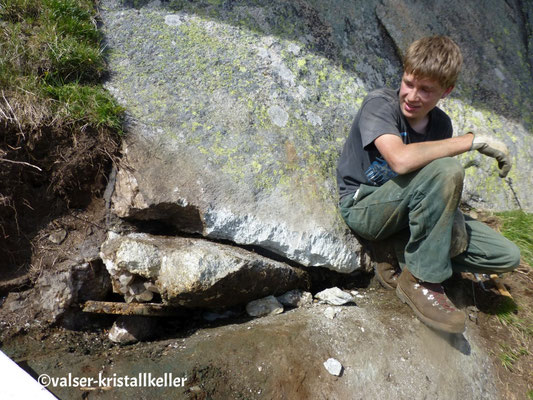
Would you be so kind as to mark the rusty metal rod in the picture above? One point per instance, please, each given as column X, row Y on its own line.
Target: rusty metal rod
column 147, row 309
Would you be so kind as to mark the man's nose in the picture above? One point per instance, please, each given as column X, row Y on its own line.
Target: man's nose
column 412, row 95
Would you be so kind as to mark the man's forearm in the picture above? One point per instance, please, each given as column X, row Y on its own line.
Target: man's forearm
column 405, row 158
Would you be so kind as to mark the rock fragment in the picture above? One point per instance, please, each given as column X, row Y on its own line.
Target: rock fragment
column 333, row 366
column 334, row 296
column 58, row 236
column 295, row 298
column 131, row 329
column 330, row 313
column 266, row 306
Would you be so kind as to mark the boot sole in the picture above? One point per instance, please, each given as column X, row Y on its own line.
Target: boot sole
column 429, row 322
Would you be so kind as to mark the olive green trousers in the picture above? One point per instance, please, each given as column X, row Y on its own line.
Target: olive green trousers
column 415, row 212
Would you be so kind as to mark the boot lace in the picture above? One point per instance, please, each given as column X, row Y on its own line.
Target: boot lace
column 435, row 292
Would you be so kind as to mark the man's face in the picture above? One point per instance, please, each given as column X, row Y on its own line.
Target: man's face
column 418, row 96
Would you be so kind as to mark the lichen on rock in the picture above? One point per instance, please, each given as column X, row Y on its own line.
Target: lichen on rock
column 240, row 111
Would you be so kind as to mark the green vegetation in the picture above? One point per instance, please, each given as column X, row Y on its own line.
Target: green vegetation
column 51, row 66
column 516, row 314
column 510, row 356
column 518, row 227
column 507, row 313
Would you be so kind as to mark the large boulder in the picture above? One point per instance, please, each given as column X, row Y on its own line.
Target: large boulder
column 237, row 112
column 193, row 272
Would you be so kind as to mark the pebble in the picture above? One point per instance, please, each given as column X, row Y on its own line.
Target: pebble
column 330, row 313
column 131, row 329
column 57, row 236
column 333, row 366
column 266, row 306
column 334, row 296
column 295, row 298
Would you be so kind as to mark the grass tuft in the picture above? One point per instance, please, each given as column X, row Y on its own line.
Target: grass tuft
column 52, row 63
column 507, row 312
column 510, row 356
column 516, row 226
column 82, row 102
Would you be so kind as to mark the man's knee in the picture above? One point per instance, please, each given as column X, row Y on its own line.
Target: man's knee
column 446, row 175
column 508, row 260
column 512, row 259
column 448, row 168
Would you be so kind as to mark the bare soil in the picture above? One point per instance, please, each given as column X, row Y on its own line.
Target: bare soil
column 511, row 341
column 514, row 336
column 50, row 173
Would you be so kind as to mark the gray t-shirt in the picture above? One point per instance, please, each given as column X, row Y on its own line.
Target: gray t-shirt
column 360, row 161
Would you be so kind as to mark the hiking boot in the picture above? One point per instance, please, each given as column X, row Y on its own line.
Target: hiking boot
column 430, row 303
column 387, row 274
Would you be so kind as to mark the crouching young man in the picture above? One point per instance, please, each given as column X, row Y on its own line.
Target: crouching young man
column 398, row 181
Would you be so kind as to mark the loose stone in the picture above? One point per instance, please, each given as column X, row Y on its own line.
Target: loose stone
column 333, row 366
column 330, row 313
column 266, row 306
column 334, row 296
column 131, row 329
column 295, row 298
column 57, row 237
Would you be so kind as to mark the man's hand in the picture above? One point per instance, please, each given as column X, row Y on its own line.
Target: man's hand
column 493, row 148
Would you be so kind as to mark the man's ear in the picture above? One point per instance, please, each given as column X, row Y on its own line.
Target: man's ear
column 447, row 92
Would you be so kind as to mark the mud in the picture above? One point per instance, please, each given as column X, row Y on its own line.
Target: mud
column 385, row 352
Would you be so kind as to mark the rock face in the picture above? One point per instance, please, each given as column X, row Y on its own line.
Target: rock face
column 193, row 272
column 237, row 111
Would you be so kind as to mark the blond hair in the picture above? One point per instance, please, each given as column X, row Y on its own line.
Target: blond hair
column 434, row 57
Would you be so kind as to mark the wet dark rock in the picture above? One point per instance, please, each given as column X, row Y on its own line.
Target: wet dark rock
column 132, row 329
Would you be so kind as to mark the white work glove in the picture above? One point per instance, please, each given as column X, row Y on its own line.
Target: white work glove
column 493, row 148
